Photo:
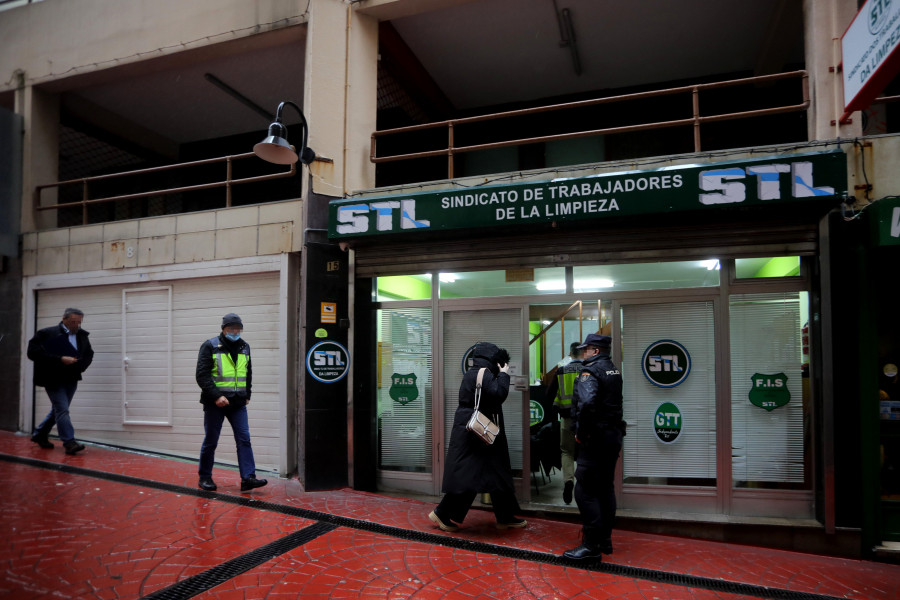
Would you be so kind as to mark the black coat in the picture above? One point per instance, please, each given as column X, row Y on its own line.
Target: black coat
column 597, row 406
column 209, row 393
column 46, row 349
column 472, row 465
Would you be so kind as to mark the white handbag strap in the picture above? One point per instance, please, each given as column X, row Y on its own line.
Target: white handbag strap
column 478, row 387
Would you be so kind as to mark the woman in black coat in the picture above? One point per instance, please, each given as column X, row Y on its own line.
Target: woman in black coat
column 473, row 466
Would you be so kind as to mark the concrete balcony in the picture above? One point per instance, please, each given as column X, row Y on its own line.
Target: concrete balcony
column 227, row 233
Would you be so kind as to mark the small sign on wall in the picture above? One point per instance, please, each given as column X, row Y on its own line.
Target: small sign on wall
column 667, row 422
column 769, row 391
column 666, row 363
column 328, row 361
column 329, row 312
column 403, row 388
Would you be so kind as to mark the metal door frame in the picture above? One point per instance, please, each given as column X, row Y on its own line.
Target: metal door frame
column 718, row 499
column 523, row 489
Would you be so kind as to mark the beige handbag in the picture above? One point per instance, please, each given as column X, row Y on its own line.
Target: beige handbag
column 479, row 424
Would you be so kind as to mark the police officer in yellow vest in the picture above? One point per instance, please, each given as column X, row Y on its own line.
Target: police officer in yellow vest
column 566, row 373
column 225, row 375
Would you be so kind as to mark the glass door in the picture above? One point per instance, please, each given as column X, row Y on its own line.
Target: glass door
column 404, row 399
column 506, row 328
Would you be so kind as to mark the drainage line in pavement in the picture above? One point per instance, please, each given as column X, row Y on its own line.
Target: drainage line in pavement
column 678, row 579
column 190, row 587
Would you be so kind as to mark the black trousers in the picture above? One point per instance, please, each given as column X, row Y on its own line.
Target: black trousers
column 595, row 491
column 454, row 507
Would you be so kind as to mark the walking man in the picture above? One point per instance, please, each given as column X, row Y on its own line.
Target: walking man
column 61, row 353
column 225, row 375
column 599, row 429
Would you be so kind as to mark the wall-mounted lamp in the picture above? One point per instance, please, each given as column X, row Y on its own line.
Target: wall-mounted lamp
column 276, row 149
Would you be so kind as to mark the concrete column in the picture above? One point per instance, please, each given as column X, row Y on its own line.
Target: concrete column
column 340, row 95
column 824, row 23
column 340, row 104
column 40, row 154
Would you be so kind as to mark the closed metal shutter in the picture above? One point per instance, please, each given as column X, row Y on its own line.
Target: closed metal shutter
column 98, row 411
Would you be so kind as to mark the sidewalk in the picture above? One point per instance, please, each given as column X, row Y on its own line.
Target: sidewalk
column 113, row 524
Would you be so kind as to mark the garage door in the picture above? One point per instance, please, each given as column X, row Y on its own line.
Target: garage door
column 140, row 391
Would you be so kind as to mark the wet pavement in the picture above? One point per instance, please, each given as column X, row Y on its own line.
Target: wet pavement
column 112, row 524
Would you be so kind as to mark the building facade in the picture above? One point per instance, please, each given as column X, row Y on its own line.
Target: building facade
column 521, row 173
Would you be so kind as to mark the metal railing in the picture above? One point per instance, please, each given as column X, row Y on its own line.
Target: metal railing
column 85, row 183
column 560, row 318
column 8, row 4
column 695, row 120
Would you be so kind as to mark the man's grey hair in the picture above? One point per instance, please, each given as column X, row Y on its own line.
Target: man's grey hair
column 72, row 311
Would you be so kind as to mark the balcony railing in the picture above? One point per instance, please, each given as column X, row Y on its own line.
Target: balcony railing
column 695, row 120
column 8, row 4
column 86, row 183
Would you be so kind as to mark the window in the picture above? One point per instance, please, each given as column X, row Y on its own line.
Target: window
column 403, row 287
column 509, row 282
column 672, row 432
column 647, row 276
column 767, row 267
column 770, row 396
column 404, row 389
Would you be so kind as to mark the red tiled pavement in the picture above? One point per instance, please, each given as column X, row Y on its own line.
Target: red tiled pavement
column 72, row 535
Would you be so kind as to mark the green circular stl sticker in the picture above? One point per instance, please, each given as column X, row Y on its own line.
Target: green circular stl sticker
column 667, row 422
column 535, row 412
column 321, row 333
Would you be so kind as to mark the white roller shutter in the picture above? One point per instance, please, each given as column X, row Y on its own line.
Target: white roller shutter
column 99, row 411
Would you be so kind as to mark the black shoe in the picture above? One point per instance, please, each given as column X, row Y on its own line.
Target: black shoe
column 606, row 546
column 567, row 492
column 42, row 441
column 206, row 483
column 73, row 447
column 584, row 553
column 251, row 483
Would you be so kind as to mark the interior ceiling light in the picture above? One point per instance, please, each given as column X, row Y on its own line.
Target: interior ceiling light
column 589, row 285
column 711, row 264
column 581, row 285
column 447, row 277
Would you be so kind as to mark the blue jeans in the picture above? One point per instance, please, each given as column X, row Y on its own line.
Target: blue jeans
column 60, row 398
column 213, row 417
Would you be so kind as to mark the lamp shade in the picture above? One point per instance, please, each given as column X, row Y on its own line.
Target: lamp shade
column 275, row 149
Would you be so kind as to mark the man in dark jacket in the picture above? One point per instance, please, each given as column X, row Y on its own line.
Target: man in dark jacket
column 599, row 429
column 225, row 377
column 563, row 390
column 473, row 466
column 61, row 354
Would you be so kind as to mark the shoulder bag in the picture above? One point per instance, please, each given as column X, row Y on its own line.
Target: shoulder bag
column 479, row 424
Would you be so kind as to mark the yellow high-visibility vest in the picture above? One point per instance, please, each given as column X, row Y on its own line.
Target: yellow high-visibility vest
column 566, row 392
column 228, row 376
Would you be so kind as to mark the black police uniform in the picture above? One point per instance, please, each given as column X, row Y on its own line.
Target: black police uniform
column 599, row 429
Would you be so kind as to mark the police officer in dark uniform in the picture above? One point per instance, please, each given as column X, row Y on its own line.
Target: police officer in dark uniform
column 599, row 429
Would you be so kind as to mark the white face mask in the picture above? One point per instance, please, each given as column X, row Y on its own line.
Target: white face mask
column 233, row 336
